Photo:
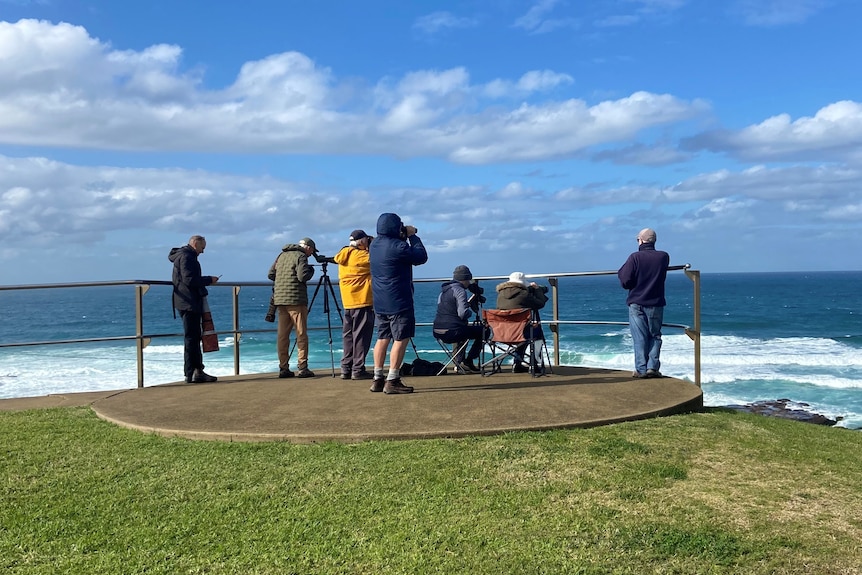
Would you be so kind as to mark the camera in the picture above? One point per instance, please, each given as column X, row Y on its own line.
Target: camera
column 477, row 298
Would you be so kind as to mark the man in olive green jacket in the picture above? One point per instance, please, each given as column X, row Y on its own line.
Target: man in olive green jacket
column 291, row 272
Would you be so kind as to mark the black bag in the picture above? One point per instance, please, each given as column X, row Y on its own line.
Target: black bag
column 422, row 367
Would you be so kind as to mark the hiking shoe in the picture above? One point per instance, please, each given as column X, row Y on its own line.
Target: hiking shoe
column 283, row 373
column 378, row 384
column 638, row 375
column 652, row 373
column 520, row 368
column 394, row 386
column 304, row 372
column 362, row 375
column 345, row 375
column 200, row 377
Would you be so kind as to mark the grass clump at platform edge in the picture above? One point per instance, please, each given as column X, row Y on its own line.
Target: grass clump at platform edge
column 715, row 492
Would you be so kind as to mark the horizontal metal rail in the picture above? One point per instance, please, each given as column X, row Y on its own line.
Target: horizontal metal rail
column 142, row 339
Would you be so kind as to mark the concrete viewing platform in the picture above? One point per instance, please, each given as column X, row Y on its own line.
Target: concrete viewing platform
column 262, row 407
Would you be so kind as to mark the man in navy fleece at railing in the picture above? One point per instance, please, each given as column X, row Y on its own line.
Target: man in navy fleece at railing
column 644, row 275
column 393, row 253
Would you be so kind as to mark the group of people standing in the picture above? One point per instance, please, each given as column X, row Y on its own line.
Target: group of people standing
column 376, row 285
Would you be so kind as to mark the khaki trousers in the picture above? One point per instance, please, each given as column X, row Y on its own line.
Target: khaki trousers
column 292, row 317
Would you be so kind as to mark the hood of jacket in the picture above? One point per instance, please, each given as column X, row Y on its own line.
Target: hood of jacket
column 175, row 252
column 389, row 225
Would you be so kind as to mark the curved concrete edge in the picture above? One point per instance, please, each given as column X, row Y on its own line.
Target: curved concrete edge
column 689, row 403
column 73, row 399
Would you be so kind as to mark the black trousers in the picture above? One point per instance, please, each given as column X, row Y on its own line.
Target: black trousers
column 459, row 334
column 193, row 358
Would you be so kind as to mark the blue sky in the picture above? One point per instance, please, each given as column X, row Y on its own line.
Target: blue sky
column 537, row 136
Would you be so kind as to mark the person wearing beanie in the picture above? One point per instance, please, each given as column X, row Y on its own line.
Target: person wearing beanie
column 291, row 272
column 354, row 281
column 517, row 293
column 644, row 274
column 451, row 322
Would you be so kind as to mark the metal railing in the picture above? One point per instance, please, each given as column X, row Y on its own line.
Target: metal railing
column 142, row 339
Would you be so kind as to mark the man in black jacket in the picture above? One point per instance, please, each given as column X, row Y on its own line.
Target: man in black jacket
column 189, row 293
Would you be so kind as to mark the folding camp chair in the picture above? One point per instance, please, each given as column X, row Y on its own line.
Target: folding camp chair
column 514, row 333
column 457, row 348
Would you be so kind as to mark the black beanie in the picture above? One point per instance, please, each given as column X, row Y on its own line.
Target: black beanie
column 462, row 273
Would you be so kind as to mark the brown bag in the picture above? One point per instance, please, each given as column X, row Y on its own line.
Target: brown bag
column 209, row 339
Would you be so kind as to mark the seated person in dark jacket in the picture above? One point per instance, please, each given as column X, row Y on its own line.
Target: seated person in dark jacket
column 516, row 293
column 453, row 310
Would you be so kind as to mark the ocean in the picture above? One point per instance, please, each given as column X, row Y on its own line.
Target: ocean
column 766, row 336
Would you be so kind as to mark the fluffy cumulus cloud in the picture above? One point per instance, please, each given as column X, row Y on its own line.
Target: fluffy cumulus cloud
column 834, row 133
column 58, row 85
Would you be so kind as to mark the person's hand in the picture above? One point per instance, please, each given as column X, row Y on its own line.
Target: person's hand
column 214, row 279
column 410, row 231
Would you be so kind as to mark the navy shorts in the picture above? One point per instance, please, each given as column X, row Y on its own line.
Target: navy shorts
column 398, row 326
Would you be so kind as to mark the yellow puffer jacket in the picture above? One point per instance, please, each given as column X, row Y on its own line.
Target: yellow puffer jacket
column 354, row 277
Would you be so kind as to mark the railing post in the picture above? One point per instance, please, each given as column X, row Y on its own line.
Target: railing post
column 694, row 333
column 555, row 328
column 140, row 341
column 236, row 334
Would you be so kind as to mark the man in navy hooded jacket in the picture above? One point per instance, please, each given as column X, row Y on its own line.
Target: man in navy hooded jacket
column 644, row 275
column 393, row 253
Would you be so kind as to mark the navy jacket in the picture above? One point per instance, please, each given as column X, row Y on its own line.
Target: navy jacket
column 643, row 275
column 392, row 261
column 452, row 307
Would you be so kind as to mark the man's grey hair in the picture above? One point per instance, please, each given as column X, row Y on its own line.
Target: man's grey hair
column 195, row 239
column 647, row 235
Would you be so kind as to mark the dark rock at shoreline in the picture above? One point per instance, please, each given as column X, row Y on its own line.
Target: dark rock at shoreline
column 786, row 409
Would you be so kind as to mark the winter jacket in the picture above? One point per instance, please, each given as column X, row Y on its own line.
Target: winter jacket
column 643, row 275
column 392, row 261
column 290, row 272
column 515, row 295
column 452, row 307
column 354, row 277
column 189, row 285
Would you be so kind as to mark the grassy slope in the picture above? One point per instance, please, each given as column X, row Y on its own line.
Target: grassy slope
column 715, row 492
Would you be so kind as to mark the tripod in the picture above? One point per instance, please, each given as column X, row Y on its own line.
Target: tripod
column 327, row 291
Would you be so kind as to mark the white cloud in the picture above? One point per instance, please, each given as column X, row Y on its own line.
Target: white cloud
column 770, row 13
column 834, row 133
column 439, row 21
column 537, row 21
column 62, row 88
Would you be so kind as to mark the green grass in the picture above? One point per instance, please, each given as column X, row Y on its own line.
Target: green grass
column 713, row 492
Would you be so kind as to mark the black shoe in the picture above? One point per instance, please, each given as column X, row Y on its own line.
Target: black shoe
column 378, row 384
column 304, row 372
column 520, row 368
column 470, row 366
column 284, row 373
column 200, row 377
column 394, row 386
column 362, row 375
column 652, row 373
column 345, row 375
column 638, row 375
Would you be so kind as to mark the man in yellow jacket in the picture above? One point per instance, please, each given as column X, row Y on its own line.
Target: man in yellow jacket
column 354, row 280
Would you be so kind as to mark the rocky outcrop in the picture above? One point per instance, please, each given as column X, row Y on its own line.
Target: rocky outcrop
column 787, row 409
